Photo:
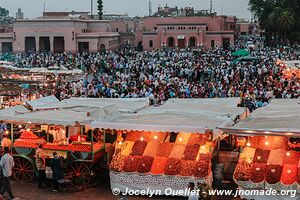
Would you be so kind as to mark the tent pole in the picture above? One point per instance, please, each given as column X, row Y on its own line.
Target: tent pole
column 12, row 134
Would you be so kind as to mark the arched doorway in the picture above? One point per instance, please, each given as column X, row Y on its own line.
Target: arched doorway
column 171, row 42
column 192, row 41
column 212, row 44
column 151, row 43
column 140, row 46
column 102, row 48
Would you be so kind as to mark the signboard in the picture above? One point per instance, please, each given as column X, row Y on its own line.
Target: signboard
column 180, row 37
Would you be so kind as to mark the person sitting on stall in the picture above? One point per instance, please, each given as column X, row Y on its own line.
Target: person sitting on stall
column 40, row 165
column 6, row 142
column 53, row 132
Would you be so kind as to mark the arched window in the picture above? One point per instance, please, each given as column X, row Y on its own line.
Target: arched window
column 171, row 42
column 192, row 42
column 151, row 43
column 212, row 44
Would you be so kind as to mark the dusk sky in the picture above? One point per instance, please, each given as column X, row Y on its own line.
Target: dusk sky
column 34, row 8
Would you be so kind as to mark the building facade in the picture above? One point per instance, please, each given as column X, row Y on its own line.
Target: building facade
column 76, row 32
column 185, row 32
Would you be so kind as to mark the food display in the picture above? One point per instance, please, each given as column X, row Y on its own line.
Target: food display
column 158, row 165
column 276, row 157
column 243, row 171
column 273, row 173
column 138, row 148
column 177, row 151
column 144, row 164
column 202, row 169
column 289, row 174
column 53, row 146
column 188, row 168
column 152, row 148
column 183, row 138
column 291, row 158
column 165, row 149
column 273, row 143
column 157, row 136
column 184, row 158
column 258, row 172
column 131, row 163
column 261, row 156
column 270, row 163
column 196, row 139
column 26, row 143
column 247, row 155
column 191, row 151
column 126, row 147
column 117, row 162
column 173, row 166
column 203, row 157
column 138, row 135
column 28, row 135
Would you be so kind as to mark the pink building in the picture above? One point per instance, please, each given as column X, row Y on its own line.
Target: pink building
column 183, row 32
column 76, row 32
column 60, row 32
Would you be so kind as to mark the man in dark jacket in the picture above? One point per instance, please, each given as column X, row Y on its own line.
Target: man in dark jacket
column 57, row 171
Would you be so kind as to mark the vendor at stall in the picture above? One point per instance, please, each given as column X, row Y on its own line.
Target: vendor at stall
column 6, row 142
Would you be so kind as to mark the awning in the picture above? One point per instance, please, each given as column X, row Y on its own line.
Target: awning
column 280, row 117
column 180, row 115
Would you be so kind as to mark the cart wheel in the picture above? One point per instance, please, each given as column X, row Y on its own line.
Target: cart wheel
column 80, row 172
column 24, row 169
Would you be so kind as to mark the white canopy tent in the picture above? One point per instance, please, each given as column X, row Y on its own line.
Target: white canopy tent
column 35, row 104
column 280, row 117
column 180, row 115
column 43, row 70
column 293, row 64
column 59, row 116
column 123, row 105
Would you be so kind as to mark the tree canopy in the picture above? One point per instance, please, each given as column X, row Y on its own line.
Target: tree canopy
column 3, row 12
column 280, row 19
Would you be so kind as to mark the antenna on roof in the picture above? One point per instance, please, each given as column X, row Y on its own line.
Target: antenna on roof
column 150, row 8
column 44, row 4
column 92, row 2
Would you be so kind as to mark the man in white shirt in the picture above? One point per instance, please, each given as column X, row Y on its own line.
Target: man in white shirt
column 7, row 163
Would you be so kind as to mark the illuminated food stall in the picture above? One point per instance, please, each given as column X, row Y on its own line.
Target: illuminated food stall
column 61, row 130
column 168, row 146
column 291, row 69
column 270, row 151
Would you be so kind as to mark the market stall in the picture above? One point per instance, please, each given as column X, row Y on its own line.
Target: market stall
column 269, row 141
column 291, row 69
column 62, row 130
column 168, row 146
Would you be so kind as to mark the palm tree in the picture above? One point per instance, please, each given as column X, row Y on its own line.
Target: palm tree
column 287, row 22
column 100, row 9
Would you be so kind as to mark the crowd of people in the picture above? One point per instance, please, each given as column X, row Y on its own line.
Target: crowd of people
column 163, row 74
column 160, row 75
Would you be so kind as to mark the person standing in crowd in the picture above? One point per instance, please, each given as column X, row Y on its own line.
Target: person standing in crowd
column 7, row 164
column 3, row 128
column 57, row 171
column 6, row 142
column 40, row 165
